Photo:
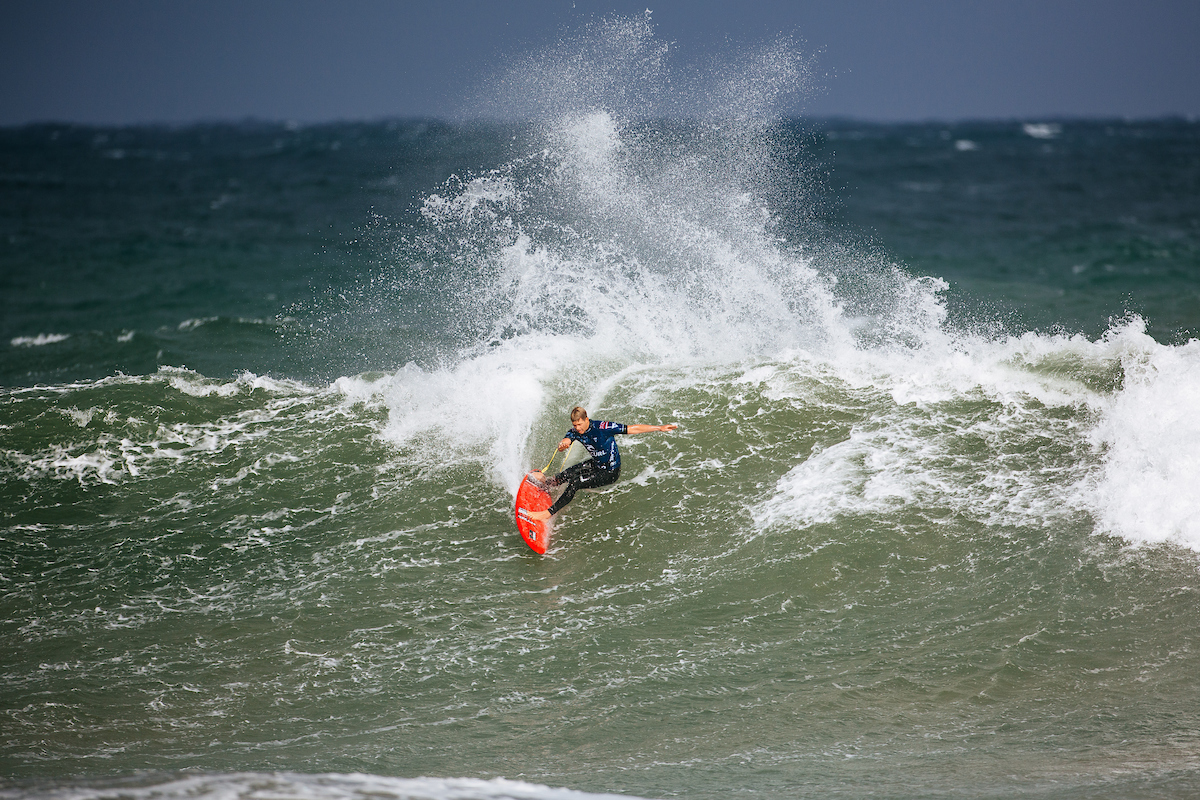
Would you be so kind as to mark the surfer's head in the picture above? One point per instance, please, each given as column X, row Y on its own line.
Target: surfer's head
column 579, row 419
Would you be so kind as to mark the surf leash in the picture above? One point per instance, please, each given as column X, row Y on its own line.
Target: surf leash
column 551, row 461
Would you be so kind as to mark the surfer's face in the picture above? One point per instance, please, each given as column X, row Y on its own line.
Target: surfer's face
column 581, row 425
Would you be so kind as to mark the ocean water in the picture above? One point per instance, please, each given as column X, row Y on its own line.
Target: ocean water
column 930, row 526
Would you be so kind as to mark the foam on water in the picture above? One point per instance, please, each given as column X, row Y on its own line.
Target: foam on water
column 267, row 786
column 114, row 443
column 488, row 404
column 40, row 340
column 1148, row 489
column 1028, row 430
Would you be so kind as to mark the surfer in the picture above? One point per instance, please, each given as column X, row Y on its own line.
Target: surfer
column 604, row 466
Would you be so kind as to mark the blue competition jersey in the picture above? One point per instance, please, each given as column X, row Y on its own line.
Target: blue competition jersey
column 599, row 441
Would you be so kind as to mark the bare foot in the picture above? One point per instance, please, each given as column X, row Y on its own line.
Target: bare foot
column 540, row 516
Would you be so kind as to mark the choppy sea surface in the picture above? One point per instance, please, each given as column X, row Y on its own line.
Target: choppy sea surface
column 930, row 526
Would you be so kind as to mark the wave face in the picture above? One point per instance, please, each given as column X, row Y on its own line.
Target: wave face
column 920, row 530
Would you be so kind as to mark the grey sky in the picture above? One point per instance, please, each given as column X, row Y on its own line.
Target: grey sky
column 125, row 61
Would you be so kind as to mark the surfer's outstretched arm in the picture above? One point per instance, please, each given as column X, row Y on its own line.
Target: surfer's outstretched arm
column 650, row 428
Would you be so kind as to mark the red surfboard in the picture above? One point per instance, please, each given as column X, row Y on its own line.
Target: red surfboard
column 532, row 496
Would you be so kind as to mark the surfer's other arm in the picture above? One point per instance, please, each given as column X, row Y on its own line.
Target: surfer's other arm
column 632, row 429
column 629, row 431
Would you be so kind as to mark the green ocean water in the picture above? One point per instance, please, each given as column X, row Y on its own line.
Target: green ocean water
column 928, row 527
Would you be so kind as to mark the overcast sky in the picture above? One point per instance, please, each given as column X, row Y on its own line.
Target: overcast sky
column 130, row 61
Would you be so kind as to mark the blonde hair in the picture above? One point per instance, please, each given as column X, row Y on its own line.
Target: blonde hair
column 578, row 413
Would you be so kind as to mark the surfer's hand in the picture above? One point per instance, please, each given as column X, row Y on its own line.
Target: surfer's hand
column 564, row 444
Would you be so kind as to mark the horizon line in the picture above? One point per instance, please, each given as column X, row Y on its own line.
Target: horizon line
column 460, row 120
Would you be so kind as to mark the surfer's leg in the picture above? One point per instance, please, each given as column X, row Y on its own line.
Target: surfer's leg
column 559, row 478
column 599, row 477
column 585, row 475
column 570, row 477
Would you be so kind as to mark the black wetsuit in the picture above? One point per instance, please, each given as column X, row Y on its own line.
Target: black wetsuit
column 603, row 468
